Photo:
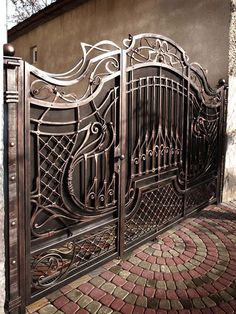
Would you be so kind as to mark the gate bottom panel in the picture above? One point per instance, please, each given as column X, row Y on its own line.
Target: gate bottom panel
column 155, row 208
column 64, row 262
column 201, row 195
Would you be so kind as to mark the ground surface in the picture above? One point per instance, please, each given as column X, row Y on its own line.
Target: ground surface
column 191, row 268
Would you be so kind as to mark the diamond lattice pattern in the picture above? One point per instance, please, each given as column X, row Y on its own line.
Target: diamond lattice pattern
column 157, row 207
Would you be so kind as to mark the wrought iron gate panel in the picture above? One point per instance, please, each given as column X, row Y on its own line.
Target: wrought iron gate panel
column 73, row 123
column 115, row 150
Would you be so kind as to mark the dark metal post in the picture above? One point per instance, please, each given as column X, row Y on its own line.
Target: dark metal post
column 14, row 227
column 222, row 140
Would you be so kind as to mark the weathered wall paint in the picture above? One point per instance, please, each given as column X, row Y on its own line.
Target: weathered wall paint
column 229, row 192
column 199, row 26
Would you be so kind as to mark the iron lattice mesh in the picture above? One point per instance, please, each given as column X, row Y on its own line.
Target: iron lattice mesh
column 54, row 152
column 52, row 266
column 157, row 207
column 200, row 195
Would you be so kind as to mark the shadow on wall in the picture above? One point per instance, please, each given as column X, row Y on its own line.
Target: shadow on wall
column 230, row 167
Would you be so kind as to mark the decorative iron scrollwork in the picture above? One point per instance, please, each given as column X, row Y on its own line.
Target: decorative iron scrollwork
column 144, row 101
column 157, row 49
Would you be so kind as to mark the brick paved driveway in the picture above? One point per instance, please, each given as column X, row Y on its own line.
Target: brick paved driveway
column 191, row 268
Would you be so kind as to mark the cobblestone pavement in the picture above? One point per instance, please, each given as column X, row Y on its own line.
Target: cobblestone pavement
column 190, row 268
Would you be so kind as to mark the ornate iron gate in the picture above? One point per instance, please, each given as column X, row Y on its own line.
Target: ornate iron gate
column 104, row 157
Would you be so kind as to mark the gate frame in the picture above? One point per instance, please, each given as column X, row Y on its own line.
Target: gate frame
column 15, row 179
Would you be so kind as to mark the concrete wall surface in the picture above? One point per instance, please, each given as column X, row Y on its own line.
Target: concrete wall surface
column 229, row 192
column 199, row 26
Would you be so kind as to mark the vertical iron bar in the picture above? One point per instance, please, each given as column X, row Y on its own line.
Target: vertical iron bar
column 165, row 96
column 139, row 128
column 131, row 121
column 182, row 118
column 160, row 125
column 96, row 181
column 172, row 139
column 153, row 125
column 85, row 179
column 186, row 118
column 123, row 147
column 147, row 125
column 221, row 144
column 177, row 125
column 105, row 180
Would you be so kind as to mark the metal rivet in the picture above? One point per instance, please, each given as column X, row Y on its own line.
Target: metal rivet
column 13, row 178
column 13, row 223
column 12, row 144
column 13, row 262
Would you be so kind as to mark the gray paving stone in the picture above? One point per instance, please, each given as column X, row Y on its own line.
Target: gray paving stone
column 84, row 301
column 170, row 284
column 135, row 260
column 164, row 304
column 212, row 275
column 161, row 284
column 124, row 274
column 176, row 305
column 54, row 295
column 108, row 287
column 93, row 307
column 182, row 268
column 132, row 278
column 97, row 281
column 48, row 309
column 173, row 269
column 130, row 298
column 145, row 265
column 105, row 310
column 149, row 251
column 74, row 295
column 157, row 253
column 198, row 304
column 226, row 296
column 115, row 269
column 141, row 301
column 156, row 267
column 120, row 293
column 165, row 269
column 166, row 254
column 151, row 283
column 190, row 284
column 208, row 301
column 152, row 303
column 180, row 285
column 141, row 281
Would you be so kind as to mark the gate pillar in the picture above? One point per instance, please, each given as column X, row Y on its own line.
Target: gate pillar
column 14, row 160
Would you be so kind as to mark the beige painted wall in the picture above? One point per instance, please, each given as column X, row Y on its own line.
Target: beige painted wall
column 229, row 192
column 199, row 26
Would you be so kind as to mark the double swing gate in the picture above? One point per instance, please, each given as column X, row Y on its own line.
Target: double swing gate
column 104, row 157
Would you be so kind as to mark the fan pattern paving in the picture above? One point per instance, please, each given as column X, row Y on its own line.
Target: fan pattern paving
column 190, row 268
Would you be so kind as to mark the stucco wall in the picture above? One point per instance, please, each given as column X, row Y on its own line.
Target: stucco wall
column 199, row 26
column 230, row 163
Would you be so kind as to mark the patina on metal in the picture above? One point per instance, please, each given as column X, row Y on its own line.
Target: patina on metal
column 104, row 157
